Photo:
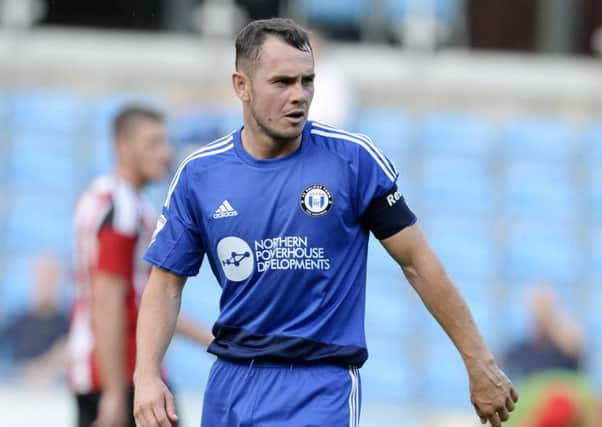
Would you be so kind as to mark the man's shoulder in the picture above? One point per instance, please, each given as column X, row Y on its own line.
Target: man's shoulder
column 209, row 154
column 339, row 140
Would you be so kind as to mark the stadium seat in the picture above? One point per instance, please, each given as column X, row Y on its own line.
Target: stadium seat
column 15, row 284
column 394, row 132
column 540, row 140
column 456, row 134
column 593, row 148
column 33, row 170
column 596, row 254
column 187, row 365
column 457, row 186
column 379, row 261
column 543, row 250
column 445, row 376
column 387, row 315
column 388, row 375
column 466, row 247
column 202, row 124
column 5, row 141
column 594, row 189
column 337, row 13
column 48, row 112
column 533, row 190
column 445, row 11
column 38, row 222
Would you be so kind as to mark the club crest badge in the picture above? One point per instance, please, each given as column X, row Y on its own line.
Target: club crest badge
column 316, row 200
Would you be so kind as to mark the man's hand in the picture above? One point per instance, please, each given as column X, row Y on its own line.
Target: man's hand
column 154, row 404
column 112, row 409
column 491, row 392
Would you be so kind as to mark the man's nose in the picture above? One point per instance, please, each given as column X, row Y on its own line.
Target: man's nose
column 299, row 94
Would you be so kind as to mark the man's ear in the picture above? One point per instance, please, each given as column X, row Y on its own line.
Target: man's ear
column 242, row 85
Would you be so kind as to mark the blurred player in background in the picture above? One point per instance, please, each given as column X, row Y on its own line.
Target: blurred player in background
column 548, row 368
column 113, row 227
column 36, row 339
column 283, row 208
column 556, row 340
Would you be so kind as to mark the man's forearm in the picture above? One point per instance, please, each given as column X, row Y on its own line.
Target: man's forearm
column 446, row 304
column 108, row 314
column 156, row 321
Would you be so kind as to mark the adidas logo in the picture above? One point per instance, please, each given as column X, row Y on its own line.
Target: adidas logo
column 225, row 210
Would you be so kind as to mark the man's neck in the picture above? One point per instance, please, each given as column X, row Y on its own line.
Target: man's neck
column 262, row 146
column 126, row 174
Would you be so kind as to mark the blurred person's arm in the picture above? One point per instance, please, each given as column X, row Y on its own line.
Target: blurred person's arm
column 109, row 324
column 194, row 331
column 111, row 281
column 492, row 393
column 562, row 330
column 49, row 366
column 153, row 402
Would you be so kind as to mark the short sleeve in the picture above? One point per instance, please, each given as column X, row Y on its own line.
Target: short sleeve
column 376, row 174
column 382, row 208
column 118, row 234
column 116, row 252
column 176, row 244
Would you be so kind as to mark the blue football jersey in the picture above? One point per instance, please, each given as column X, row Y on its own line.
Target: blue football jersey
column 285, row 240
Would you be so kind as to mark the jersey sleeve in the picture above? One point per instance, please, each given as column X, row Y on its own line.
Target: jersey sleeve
column 176, row 244
column 117, row 236
column 381, row 206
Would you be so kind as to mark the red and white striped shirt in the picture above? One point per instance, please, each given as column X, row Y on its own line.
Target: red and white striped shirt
column 113, row 226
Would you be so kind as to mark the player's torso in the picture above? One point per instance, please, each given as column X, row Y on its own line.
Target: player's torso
column 106, row 196
column 279, row 236
column 107, row 202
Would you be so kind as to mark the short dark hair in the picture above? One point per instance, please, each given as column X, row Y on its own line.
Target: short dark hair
column 250, row 39
column 131, row 113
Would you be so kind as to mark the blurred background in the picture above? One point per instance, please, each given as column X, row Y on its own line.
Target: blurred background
column 491, row 109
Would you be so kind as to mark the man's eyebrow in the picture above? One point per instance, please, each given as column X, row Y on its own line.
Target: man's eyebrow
column 291, row 77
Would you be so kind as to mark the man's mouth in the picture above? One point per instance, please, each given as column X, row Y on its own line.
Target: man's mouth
column 296, row 115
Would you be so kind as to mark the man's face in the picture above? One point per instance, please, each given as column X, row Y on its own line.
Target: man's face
column 281, row 89
column 148, row 149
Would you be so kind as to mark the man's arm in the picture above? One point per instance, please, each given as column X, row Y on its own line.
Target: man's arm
column 108, row 322
column 153, row 403
column 492, row 393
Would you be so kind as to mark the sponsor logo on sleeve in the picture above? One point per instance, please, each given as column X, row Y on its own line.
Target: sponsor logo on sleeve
column 393, row 198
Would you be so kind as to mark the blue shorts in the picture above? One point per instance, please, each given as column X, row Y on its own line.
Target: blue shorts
column 258, row 394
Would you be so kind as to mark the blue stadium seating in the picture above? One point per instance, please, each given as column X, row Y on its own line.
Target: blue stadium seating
column 335, row 12
column 457, row 186
column 389, row 374
column 466, row 247
column 593, row 143
column 541, row 250
column 533, row 190
column 48, row 112
column 444, row 375
column 39, row 221
column 455, row 134
column 593, row 160
column 540, row 140
column 394, row 132
column 4, row 136
column 596, row 254
column 445, row 11
column 201, row 124
column 15, row 284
